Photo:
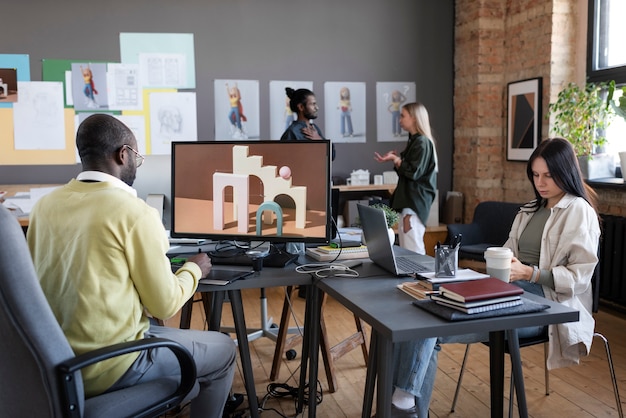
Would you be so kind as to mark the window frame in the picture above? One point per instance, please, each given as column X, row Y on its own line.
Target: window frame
column 607, row 74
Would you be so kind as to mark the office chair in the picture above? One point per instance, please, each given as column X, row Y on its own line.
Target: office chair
column 489, row 228
column 40, row 375
column 543, row 339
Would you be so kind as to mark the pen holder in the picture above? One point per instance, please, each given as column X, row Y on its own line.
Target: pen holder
column 446, row 261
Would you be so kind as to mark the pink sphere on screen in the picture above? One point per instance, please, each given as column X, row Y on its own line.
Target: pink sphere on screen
column 284, row 172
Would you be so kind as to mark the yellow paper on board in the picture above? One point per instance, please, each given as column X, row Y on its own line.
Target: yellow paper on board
column 146, row 113
column 10, row 156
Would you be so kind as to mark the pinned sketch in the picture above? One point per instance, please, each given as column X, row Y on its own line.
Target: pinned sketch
column 389, row 100
column 89, row 86
column 166, row 60
column 163, row 70
column 38, row 116
column 344, row 111
column 137, row 124
column 172, row 118
column 236, row 109
column 281, row 114
column 123, row 87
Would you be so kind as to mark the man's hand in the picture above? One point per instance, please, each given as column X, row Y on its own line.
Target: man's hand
column 310, row 132
column 203, row 261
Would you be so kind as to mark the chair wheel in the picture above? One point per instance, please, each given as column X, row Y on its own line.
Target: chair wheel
column 291, row 354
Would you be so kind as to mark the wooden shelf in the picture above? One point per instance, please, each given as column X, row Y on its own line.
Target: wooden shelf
column 367, row 188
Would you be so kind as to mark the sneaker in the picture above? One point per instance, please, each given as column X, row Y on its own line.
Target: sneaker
column 402, row 413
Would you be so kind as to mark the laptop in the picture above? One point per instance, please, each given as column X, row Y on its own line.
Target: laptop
column 394, row 259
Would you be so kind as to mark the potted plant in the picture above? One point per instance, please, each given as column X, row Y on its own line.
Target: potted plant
column 580, row 115
column 391, row 216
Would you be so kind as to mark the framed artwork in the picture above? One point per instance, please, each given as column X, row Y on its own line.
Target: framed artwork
column 524, row 118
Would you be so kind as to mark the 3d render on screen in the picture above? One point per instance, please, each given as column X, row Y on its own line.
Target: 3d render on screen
column 251, row 190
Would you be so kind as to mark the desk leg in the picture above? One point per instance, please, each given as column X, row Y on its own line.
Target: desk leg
column 496, row 372
column 310, row 349
column 215, row 304
column 306, row 344
column 244, row 349
column 370, row 376
column 185, row 314
column 516, row 366
column 385, row 377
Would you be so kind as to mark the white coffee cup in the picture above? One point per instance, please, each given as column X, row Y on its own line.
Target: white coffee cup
column 378, row 179
column 498, row 261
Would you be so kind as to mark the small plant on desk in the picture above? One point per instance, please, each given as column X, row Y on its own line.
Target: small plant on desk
column 391, row 215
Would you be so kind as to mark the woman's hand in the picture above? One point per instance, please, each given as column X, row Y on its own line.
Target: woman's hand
column 520, row 271
column 389, row 156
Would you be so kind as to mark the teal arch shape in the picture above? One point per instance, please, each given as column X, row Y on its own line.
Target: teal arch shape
column 274, row 207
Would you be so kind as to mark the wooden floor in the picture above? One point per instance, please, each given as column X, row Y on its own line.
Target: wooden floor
column 581, row 391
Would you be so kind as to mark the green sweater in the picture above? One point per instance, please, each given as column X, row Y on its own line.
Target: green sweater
column 99, row 253
column 417, row 177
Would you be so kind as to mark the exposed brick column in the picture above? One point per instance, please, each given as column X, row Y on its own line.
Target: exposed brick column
column 478, row 96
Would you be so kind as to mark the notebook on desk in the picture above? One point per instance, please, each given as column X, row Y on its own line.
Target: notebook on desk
column 396, row 260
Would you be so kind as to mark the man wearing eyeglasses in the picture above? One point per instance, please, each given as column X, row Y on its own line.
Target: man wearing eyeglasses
column 100, row 255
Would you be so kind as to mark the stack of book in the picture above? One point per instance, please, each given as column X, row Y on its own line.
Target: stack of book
column 478, row 295
column 418, row 289
column 432, row 282
column 328, row 253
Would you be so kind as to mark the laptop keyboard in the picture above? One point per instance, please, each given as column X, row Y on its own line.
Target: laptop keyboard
column 410, row 266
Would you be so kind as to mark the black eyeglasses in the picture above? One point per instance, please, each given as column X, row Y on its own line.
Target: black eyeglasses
column 138, row 157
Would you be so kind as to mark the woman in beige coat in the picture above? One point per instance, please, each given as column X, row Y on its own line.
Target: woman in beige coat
column 555, row 240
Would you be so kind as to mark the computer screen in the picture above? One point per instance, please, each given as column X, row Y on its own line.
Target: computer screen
column 276, row 191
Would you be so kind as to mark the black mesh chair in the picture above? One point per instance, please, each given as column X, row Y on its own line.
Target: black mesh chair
column 489, row 228
column 39, row 373
column 543, row 339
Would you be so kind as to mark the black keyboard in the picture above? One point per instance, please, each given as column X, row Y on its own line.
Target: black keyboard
column 277, row 259
column 410, row 266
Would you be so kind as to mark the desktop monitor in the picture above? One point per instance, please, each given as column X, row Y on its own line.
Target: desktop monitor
column 273, row 191
column 154, row 178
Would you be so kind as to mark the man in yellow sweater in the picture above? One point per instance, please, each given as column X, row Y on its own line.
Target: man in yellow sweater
column 100, row 255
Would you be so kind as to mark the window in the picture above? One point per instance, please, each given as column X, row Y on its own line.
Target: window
column 606, row 59
column 606, row 51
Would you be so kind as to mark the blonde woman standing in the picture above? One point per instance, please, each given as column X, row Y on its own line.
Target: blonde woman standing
column 417, row 176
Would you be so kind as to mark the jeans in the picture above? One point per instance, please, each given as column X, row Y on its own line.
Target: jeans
column 415, row 364
column 415, row 369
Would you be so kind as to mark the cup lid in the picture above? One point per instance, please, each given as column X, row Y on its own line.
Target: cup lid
column 498, row 252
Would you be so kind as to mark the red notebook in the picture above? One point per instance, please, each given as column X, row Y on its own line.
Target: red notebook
column 473, row 290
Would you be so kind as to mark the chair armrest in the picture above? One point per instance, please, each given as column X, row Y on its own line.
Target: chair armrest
column 471, row 233
column 66, row 370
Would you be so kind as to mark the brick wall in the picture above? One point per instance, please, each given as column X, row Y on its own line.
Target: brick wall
column 498, row 42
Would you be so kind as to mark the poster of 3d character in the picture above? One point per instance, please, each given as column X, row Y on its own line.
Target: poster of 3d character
column 344, row 111
column 89, row 86
column 390, row 96
column 236, row 109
